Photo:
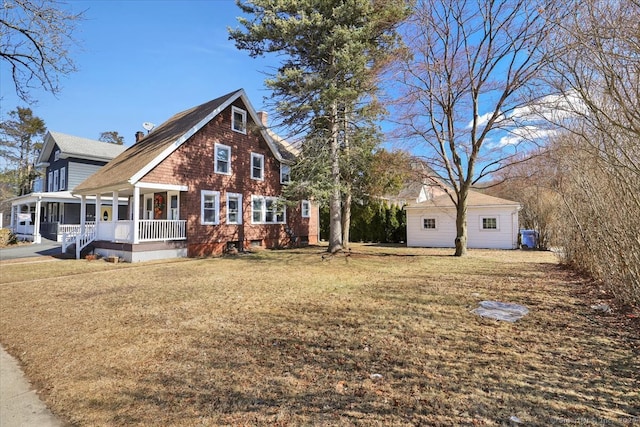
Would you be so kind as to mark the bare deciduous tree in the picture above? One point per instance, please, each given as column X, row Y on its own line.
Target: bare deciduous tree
column 599, row 75
column 473, row 67
column 35, row 37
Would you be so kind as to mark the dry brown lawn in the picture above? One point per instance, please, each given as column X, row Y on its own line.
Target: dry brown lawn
column 382, row 337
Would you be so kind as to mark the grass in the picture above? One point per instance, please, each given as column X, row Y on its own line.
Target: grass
column 382, row 337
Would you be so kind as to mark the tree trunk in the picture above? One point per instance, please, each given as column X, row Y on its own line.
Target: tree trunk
column 461, row 223
column 335, row 205
column 346, row 203
column 346, row 216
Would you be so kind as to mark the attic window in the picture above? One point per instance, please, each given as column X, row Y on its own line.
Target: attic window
column 56, row 156
column 239, row 120
column 285, row 173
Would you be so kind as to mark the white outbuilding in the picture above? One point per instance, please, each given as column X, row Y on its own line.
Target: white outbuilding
column 492, row 222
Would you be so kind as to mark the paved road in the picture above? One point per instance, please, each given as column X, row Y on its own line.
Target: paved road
column 46, row 248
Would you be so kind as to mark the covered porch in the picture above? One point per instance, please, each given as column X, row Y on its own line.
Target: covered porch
column 50, row 215
column 150, row 229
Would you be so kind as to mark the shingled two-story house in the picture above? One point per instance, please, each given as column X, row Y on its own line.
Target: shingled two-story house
column 51, row 210
column 208, row 179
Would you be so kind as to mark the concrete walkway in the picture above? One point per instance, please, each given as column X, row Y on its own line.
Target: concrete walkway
column 20, row 406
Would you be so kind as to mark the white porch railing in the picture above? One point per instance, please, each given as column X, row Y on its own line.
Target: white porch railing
column 74, row 228
column 83, row 240
column 69, row 233
column 158, row 229
column 23, row 229
column 149, row 230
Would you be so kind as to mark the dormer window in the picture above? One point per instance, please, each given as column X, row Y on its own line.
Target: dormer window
column 56, row 156
column 238, row 120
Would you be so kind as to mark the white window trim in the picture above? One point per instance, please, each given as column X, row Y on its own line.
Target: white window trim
column 239, row 197
column 282, row 165
column 235, row 110
column 147, row 207
column 170, row 194
column 56, row 156
column 308, row 208
column 50, row 182
column 261, row 157
column 216, row 203
column 56, row 184
column 429, row 217
column 215, row 158
column 63, row 178
column 482, row 218
column 263, row 212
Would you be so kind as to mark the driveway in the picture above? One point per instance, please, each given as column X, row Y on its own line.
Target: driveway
column 46, row 248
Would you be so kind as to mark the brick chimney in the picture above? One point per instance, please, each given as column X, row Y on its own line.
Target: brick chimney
column 139, row 136
column 262, row 115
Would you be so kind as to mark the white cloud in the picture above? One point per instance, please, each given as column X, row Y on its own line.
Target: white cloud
column 553, row 108
column 484, row 119
column 522, row 133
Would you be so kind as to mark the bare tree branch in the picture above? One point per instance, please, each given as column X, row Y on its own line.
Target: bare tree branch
column 35, row 38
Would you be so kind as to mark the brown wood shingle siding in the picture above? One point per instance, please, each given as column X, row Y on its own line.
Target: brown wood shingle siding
column 192, row 164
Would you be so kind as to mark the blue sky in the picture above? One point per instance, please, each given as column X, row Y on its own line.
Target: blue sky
column 143, row 61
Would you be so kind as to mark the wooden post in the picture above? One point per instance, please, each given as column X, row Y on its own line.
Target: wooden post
column 136, row 214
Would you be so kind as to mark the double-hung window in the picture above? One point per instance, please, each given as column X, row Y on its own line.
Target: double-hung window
column 239, row 120
column 490, row 223
column 257, row 166
column 234, row 208
column 267, row 210
column 50, row 182
column 222, row 159
column 285, row 173
column 63, row 178
column 305, row 208
column 55, row 180
column 428, row 223
column 209, row 207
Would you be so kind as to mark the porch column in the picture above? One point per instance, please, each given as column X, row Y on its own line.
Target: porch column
column 98, row 216
column 136, row 213
column 83, row 213
column 11, row 220
column 36, row 223
column 114, row 207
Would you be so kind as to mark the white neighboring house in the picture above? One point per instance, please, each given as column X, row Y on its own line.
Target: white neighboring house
column 492, row 223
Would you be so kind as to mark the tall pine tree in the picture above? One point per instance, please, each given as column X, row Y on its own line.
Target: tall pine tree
column 331, row 52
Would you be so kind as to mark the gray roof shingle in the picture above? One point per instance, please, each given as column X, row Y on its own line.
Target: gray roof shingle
column 178, row 128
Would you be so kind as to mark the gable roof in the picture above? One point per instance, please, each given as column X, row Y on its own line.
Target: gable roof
column 76, row 146
column 475, row 199
column 130, row 166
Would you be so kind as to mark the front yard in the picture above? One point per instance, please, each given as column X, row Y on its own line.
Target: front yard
column 384, row 336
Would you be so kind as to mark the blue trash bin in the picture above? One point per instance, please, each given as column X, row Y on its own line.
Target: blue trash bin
column 528, row 239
